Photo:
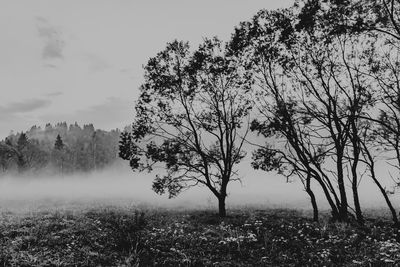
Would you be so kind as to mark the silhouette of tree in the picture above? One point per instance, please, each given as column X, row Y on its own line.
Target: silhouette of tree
column 379, row 22
column 192, row 117
column 314, row 94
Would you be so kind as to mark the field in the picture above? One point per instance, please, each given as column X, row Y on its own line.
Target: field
column 134, row 236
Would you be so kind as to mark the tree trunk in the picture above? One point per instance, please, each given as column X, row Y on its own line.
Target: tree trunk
column 343, row 213
column 385, row 195
column 221, row 206
column 371, row 166
column 314, row 204
column 312, row 198
column 354, row 165
column 354, row 187
column 357, row 205
column 334, row 208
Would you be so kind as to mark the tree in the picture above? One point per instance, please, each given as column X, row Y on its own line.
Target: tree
column 35, row 156
column 192, row 117
column 22, row 146
column 94, row 147
column 314, row 93
column 59, row 144
column 7, row 154
column 377, row 21
column 351, row 16
column 28, row 154
column 59, row 153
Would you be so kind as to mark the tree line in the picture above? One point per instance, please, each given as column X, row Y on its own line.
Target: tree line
column 318, row 83
column 58, row 149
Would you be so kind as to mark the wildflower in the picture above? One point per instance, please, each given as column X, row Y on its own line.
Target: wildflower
column 230, row 239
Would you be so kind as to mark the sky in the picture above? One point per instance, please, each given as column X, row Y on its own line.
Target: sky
column 82, row 60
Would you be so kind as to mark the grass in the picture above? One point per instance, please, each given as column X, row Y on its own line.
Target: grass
column 155, row 237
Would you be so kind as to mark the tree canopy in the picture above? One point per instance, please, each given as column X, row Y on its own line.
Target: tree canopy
column 192, row 117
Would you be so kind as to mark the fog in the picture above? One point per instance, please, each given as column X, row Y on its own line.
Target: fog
column 121, row 186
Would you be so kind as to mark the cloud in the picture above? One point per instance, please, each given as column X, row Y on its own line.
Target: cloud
column 25, row 106
column 53, row 42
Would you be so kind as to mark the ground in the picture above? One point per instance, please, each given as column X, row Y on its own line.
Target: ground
column 132, row 236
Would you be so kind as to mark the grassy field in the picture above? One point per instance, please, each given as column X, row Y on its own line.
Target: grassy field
column 115, row 236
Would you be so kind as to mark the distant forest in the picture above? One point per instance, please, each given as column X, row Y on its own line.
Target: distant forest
column 58, row 149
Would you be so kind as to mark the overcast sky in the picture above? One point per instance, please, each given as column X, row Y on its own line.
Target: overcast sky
column 82, row 60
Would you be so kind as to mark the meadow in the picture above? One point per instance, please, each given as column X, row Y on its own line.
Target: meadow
column 128, row 235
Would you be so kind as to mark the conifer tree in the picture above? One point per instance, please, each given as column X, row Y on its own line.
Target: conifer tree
column 59, row 144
